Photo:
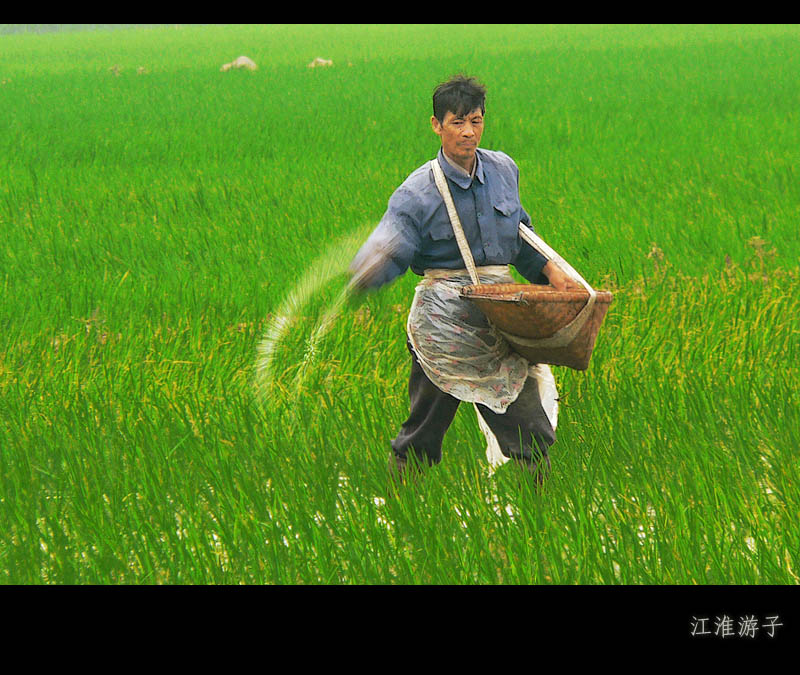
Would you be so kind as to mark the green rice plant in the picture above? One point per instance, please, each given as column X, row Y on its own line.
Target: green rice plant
column 189, row 395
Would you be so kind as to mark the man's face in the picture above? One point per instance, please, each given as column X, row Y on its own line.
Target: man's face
column 460, row 135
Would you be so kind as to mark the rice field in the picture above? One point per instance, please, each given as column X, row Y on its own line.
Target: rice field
column 188, row 396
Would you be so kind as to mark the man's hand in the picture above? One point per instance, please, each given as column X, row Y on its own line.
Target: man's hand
column 558, row 279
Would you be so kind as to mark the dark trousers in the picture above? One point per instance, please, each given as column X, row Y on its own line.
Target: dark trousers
column 523, row 431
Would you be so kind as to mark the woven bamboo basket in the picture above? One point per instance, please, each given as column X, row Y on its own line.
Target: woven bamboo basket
column 526, row 314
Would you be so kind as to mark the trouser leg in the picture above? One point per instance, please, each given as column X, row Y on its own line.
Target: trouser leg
column 431, row 414
column 523, row 432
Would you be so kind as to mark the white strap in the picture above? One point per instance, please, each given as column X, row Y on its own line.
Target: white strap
column 564, row 336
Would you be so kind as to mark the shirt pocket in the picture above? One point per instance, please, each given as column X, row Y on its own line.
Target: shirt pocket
column 438, row 243
column 441, row 230
column 506, row 207
column 506, row 214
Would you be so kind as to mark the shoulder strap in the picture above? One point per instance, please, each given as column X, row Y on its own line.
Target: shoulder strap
column 534, row 240
column 566, row 334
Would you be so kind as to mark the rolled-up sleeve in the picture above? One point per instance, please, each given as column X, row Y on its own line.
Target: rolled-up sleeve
column 388, row 251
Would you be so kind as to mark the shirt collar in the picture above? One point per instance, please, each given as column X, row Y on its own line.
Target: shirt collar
column 456, row 174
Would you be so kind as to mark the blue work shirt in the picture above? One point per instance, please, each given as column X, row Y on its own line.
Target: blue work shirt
column 416, row 231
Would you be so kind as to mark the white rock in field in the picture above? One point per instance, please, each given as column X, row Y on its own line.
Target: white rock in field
column 320, row 62
column 241, row 62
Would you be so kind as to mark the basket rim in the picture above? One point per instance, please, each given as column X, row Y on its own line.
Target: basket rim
column 530, row 292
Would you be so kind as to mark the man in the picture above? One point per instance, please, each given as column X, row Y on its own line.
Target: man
column 456, row 355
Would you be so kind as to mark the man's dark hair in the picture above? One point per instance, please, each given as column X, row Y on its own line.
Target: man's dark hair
column 460, row 95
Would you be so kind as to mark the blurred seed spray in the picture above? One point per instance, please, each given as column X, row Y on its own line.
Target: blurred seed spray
column 367, row 261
